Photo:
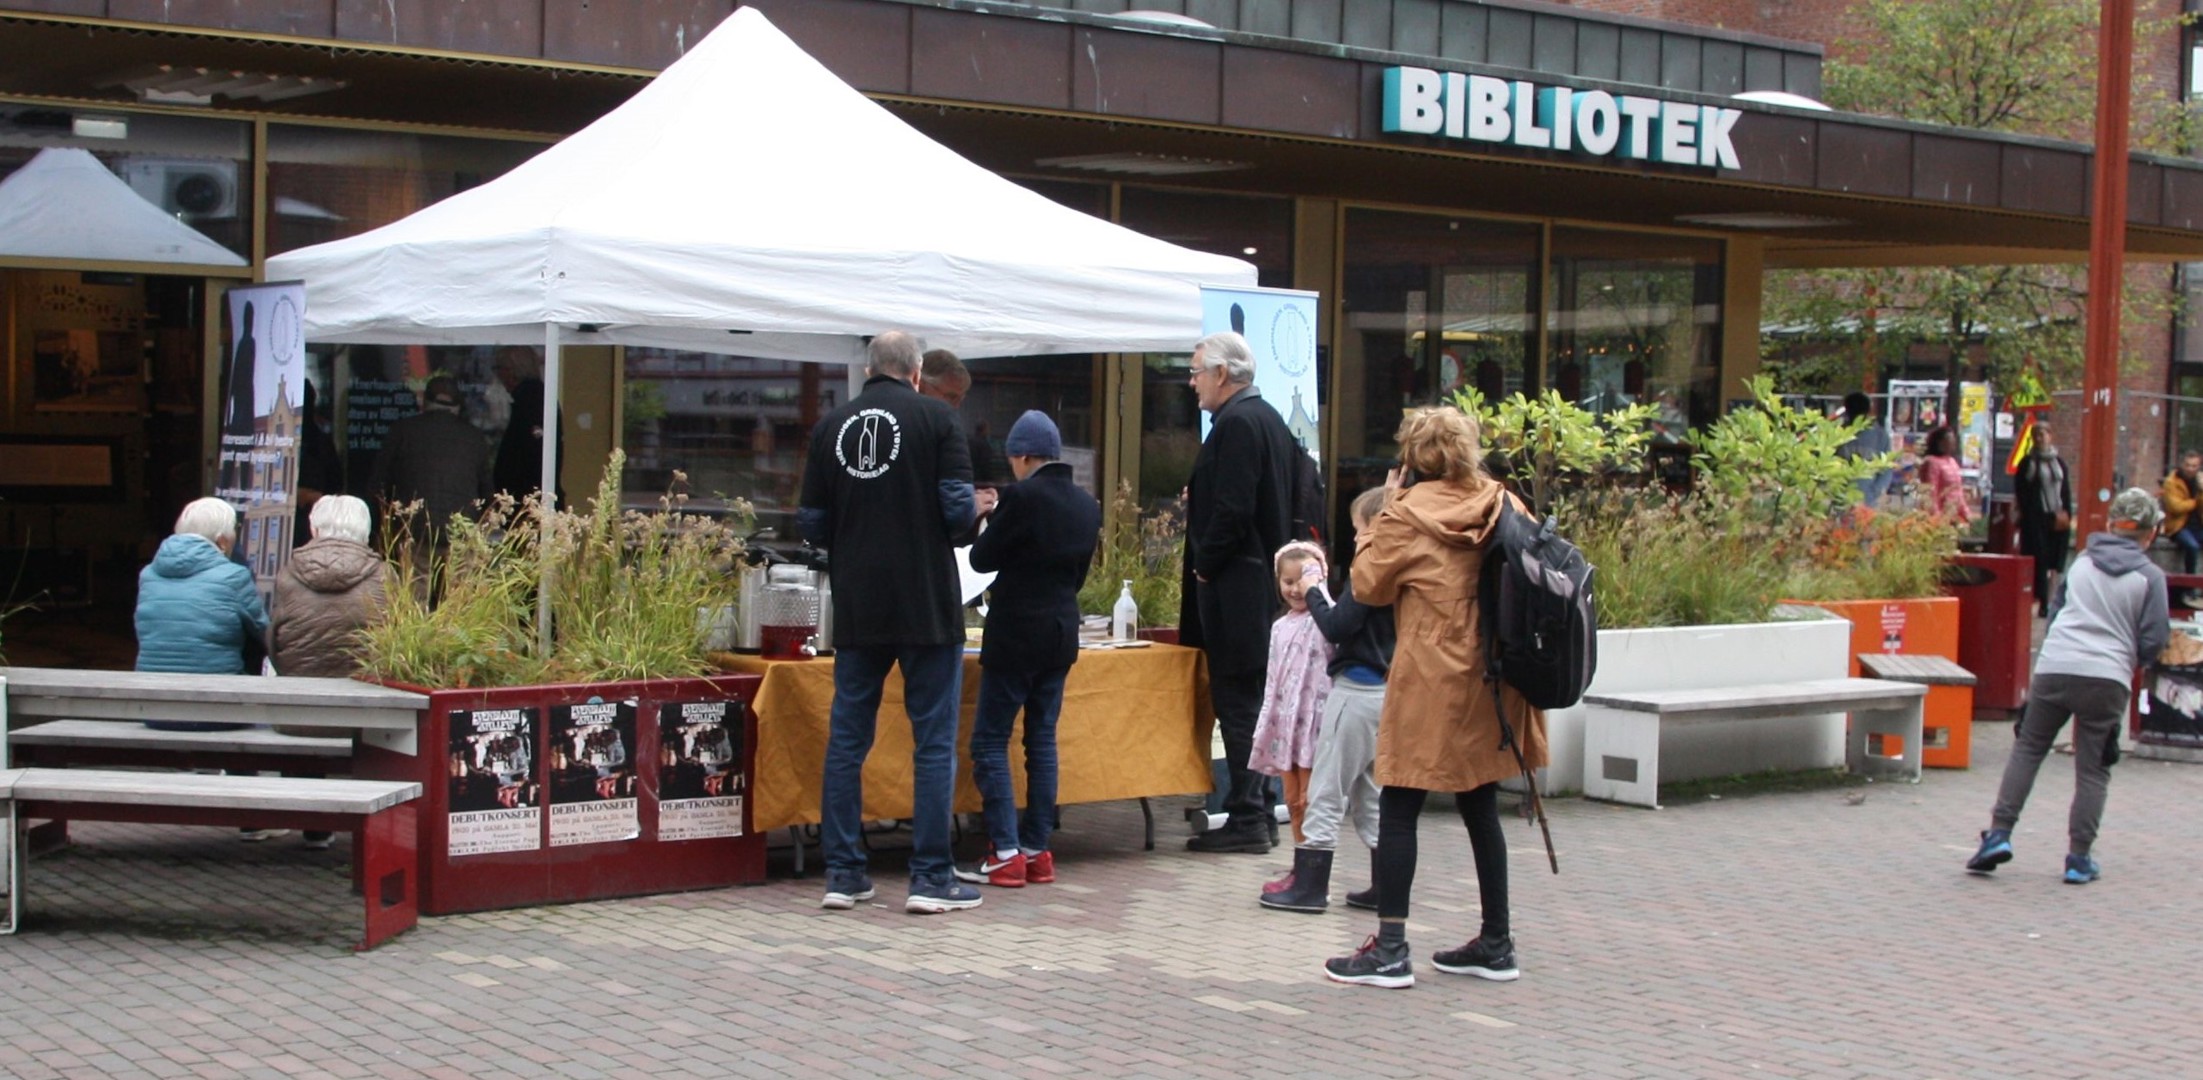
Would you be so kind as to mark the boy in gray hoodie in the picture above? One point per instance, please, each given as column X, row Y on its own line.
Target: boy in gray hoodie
column 2108, row 619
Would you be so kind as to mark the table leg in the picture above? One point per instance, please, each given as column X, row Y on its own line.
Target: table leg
column 1147, row 815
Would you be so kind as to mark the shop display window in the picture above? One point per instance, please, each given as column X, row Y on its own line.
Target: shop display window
column 195, row 168
column 1432, row 304
column 1258, row 229
column 1636, row 318
column 329, row 183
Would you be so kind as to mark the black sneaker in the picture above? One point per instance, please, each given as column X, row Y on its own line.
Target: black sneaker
column 1251, row 840
column 1485, row 958
column 846, row 889
column 1373, row 965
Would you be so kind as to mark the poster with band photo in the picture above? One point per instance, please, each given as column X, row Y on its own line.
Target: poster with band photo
column 593, row 774
column 496, row 800
column 700, row 779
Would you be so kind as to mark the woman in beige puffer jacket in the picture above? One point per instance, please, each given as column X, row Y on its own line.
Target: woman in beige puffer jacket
column 328, row 590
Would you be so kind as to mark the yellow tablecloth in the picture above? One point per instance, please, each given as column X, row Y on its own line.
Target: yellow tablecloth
column 1135, row 723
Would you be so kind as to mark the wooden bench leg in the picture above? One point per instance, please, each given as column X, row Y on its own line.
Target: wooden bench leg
column 1886, row 743
column 389, row 843
column 1621, row 756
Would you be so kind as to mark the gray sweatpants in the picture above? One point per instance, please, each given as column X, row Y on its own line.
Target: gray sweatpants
column 2097, row 707
column 1346, row 752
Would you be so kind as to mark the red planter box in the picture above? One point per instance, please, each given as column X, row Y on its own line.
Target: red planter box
column 514, row 813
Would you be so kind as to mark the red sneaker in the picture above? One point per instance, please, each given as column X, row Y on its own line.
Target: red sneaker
column 1040, row 869
column 1001, row 873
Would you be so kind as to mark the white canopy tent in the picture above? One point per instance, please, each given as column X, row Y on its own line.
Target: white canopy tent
column 64, row 204
column 748, row 201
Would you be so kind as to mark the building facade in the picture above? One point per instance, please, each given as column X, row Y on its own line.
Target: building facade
column 1499, row 196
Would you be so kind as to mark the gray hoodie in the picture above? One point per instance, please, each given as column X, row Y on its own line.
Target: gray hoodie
column 2109, row 615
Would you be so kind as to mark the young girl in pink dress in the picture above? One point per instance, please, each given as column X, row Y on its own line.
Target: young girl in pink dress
column 1299, row 681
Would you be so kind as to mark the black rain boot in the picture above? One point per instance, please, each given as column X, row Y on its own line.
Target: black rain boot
column 1366, row 899
column 1311, row 887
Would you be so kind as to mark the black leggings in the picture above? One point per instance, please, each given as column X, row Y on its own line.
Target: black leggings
column 1400, row 808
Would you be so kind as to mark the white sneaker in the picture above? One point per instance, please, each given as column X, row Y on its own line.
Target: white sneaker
column 254, row 836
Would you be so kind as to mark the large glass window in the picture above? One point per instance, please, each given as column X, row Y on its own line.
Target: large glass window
column 1257, row 229
column 1432, row 304
column 196, row 169
column 330, row 183
column 738, row 427
column 1002, row 388
column 1636, row 317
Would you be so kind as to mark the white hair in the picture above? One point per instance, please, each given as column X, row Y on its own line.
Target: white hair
column 340, row 517
column 210, row 517
column 893, row 353
column 1231, row 352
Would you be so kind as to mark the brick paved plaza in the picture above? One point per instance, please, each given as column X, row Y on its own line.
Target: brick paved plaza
column 1772, row 935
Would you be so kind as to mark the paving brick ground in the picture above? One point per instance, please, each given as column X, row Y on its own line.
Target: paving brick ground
column 1775, row 935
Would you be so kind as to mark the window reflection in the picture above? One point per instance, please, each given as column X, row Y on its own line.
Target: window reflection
column 1636, row 317
column 330, row 183
column 738, row 426
column 193, row 168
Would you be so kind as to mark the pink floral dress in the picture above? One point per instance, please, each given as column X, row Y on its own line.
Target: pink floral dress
column 1292, row 701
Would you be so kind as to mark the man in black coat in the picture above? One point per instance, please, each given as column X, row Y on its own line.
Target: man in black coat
column 519, row 465
column 1238, row 512
column 436, row 457
column 886, row 489
column 1040, row 539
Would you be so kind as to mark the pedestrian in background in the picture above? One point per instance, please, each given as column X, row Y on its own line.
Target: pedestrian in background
column 435, row 457
column 1946, row 484
column 2180, row 492
column 2108, row 620
column 2044, row 492
column 945, row 379
column 1871, row 441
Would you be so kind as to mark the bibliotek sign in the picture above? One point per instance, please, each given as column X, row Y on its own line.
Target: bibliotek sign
column 1480, row 108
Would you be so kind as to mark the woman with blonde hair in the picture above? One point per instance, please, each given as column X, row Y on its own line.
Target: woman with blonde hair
column 1440, row 730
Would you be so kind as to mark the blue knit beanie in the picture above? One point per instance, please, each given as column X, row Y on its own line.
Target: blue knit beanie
column 1034, row 435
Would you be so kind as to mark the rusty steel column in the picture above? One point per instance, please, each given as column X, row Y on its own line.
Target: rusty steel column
column 2106, row 265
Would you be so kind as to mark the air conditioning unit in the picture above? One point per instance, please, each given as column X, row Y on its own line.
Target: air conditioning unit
column 190, row 188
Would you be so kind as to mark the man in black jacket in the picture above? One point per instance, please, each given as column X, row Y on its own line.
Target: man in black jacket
column 519, row 464
column 434, row 456
column 886, row 488
column 1040, row 539
column 1238, row 509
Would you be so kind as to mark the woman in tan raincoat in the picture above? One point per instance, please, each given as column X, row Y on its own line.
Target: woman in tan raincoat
column 1440, row 730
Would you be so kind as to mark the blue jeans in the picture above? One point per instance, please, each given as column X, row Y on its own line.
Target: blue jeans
column 2190, row 539
column 933, row 685
column 1001, row 695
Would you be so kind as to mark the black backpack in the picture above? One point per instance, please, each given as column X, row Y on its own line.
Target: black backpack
column 1541, row 624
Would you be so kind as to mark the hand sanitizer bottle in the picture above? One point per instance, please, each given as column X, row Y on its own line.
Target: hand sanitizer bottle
column 1124, row 620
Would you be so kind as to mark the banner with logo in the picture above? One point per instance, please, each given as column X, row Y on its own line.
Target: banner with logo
column 262, row 404
column 1280, row 326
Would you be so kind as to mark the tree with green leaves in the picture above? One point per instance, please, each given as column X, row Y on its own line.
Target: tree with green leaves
column 2024, row 66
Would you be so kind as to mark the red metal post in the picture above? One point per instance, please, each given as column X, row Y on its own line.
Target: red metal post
column 2106, row 264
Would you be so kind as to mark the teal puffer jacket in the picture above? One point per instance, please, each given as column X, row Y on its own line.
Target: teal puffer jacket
column 195, row 608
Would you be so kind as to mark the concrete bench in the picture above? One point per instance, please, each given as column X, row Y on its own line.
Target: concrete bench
column 378, row 813
column 1621, row 740
column 109, row 742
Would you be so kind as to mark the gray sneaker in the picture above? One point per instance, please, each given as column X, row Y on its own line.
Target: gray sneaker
column 933, row 896
column 846, row 889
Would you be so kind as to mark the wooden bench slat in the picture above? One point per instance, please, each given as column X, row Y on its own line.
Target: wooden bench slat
column 273, row 793
column 1926, row 670
column 129, row 736
column 1837, row 695
column 224, row 689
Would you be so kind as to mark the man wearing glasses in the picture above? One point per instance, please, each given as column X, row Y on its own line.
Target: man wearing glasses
column 1238, row 511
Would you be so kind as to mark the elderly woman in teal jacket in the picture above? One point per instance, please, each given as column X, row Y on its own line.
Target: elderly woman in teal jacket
column 197, row 608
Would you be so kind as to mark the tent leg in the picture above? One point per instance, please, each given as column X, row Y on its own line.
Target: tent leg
column 549, row 486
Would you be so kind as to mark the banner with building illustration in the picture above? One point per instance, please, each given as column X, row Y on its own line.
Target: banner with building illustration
column 263, row 398
column 1280, row 325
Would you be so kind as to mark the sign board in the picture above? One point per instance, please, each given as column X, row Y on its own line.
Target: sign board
column 593, row 782
column 1280, row 326
column 701, row 781
column 1594, row 123
column 496, row 799
column 262, row 406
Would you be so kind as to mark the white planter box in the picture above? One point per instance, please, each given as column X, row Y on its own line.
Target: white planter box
column 1814, row 646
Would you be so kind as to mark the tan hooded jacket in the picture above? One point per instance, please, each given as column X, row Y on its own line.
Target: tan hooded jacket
column 1423, row 555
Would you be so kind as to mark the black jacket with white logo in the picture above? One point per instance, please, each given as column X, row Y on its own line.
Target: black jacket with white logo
column 886, row 489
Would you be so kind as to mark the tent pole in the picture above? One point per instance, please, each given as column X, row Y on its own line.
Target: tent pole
column 548, row 491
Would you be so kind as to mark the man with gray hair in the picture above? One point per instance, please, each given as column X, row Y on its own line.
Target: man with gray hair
column 1238, row 512
column 886, row 489
column 2107, row 620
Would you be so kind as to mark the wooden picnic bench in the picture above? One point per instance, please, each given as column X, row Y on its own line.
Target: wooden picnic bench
column 1621, row 740
column 96, row 717
column 378, row 813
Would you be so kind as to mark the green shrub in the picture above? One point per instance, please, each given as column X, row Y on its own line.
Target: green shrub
column 1146, row 548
